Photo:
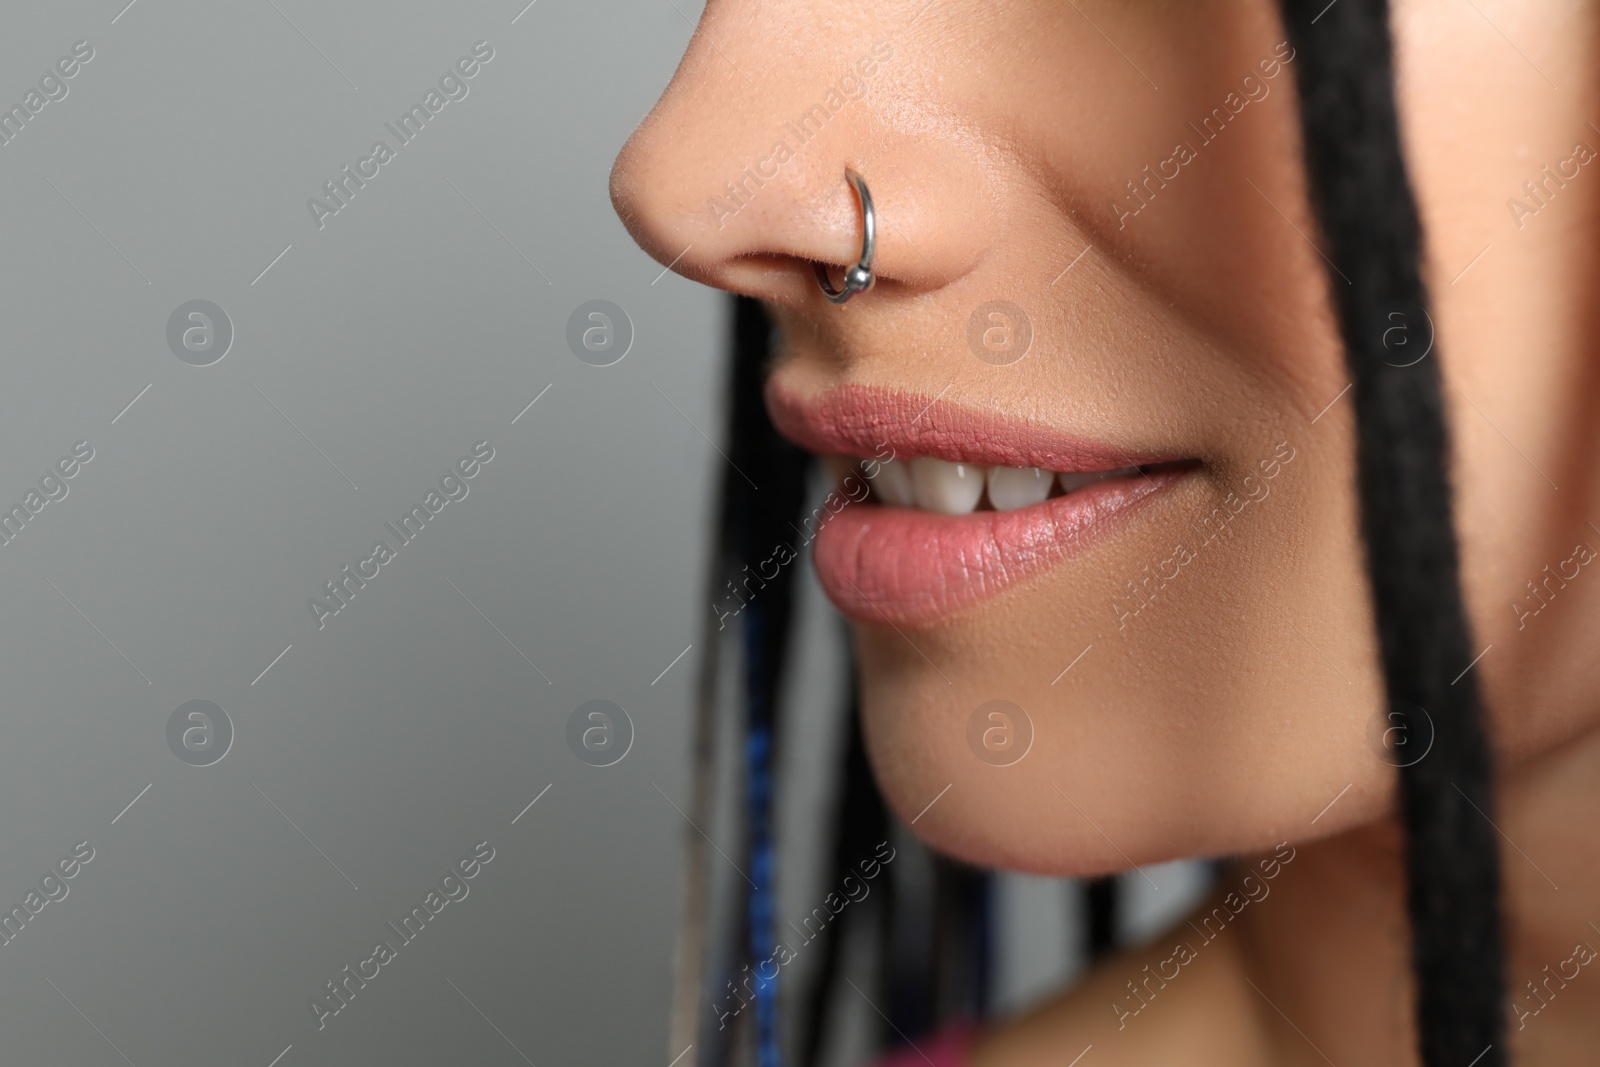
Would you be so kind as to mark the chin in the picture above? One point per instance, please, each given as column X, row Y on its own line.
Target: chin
column 1122, row 767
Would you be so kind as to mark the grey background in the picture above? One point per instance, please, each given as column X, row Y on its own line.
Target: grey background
column 368, row 357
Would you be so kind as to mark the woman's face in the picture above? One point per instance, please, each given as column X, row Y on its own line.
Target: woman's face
column 1095, row 253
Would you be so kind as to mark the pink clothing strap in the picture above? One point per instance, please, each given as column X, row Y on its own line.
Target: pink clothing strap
column 950, row 1047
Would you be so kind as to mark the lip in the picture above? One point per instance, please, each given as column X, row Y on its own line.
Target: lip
column 860, row 420
column 908, row 567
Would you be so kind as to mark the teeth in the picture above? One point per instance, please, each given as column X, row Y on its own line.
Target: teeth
column 1012, row 487
column 1070, row 480
column 893, row 483
column 959, row 488
column 838, row 467
column 948, row 488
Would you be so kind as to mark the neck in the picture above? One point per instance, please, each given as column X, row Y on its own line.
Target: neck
column 1331, row 952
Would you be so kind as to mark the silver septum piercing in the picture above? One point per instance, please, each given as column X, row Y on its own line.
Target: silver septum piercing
column 859, row 277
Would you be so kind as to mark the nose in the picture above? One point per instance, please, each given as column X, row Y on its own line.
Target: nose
column 737, row 177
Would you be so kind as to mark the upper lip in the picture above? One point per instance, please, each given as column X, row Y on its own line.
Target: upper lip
column 861, row 420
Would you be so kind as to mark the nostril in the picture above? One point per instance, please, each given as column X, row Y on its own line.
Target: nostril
column 858, row 278
column 787, row 279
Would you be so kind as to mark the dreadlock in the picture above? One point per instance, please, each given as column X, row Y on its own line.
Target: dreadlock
column 762, row 517
column 1363, row 199
column 754, row 517
column 860, row 821
column 749, row 342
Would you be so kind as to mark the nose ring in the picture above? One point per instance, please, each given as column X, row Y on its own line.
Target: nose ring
column 858, row 278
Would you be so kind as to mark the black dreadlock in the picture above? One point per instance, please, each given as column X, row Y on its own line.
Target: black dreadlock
column 754, row 518
column 1100, row 915
column 860, row 821
column 1363, row 199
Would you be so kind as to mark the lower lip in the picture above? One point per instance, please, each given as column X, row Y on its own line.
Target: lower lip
column 907, row 567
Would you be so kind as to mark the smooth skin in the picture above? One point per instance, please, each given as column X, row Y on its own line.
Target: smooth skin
column 1230, row 711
